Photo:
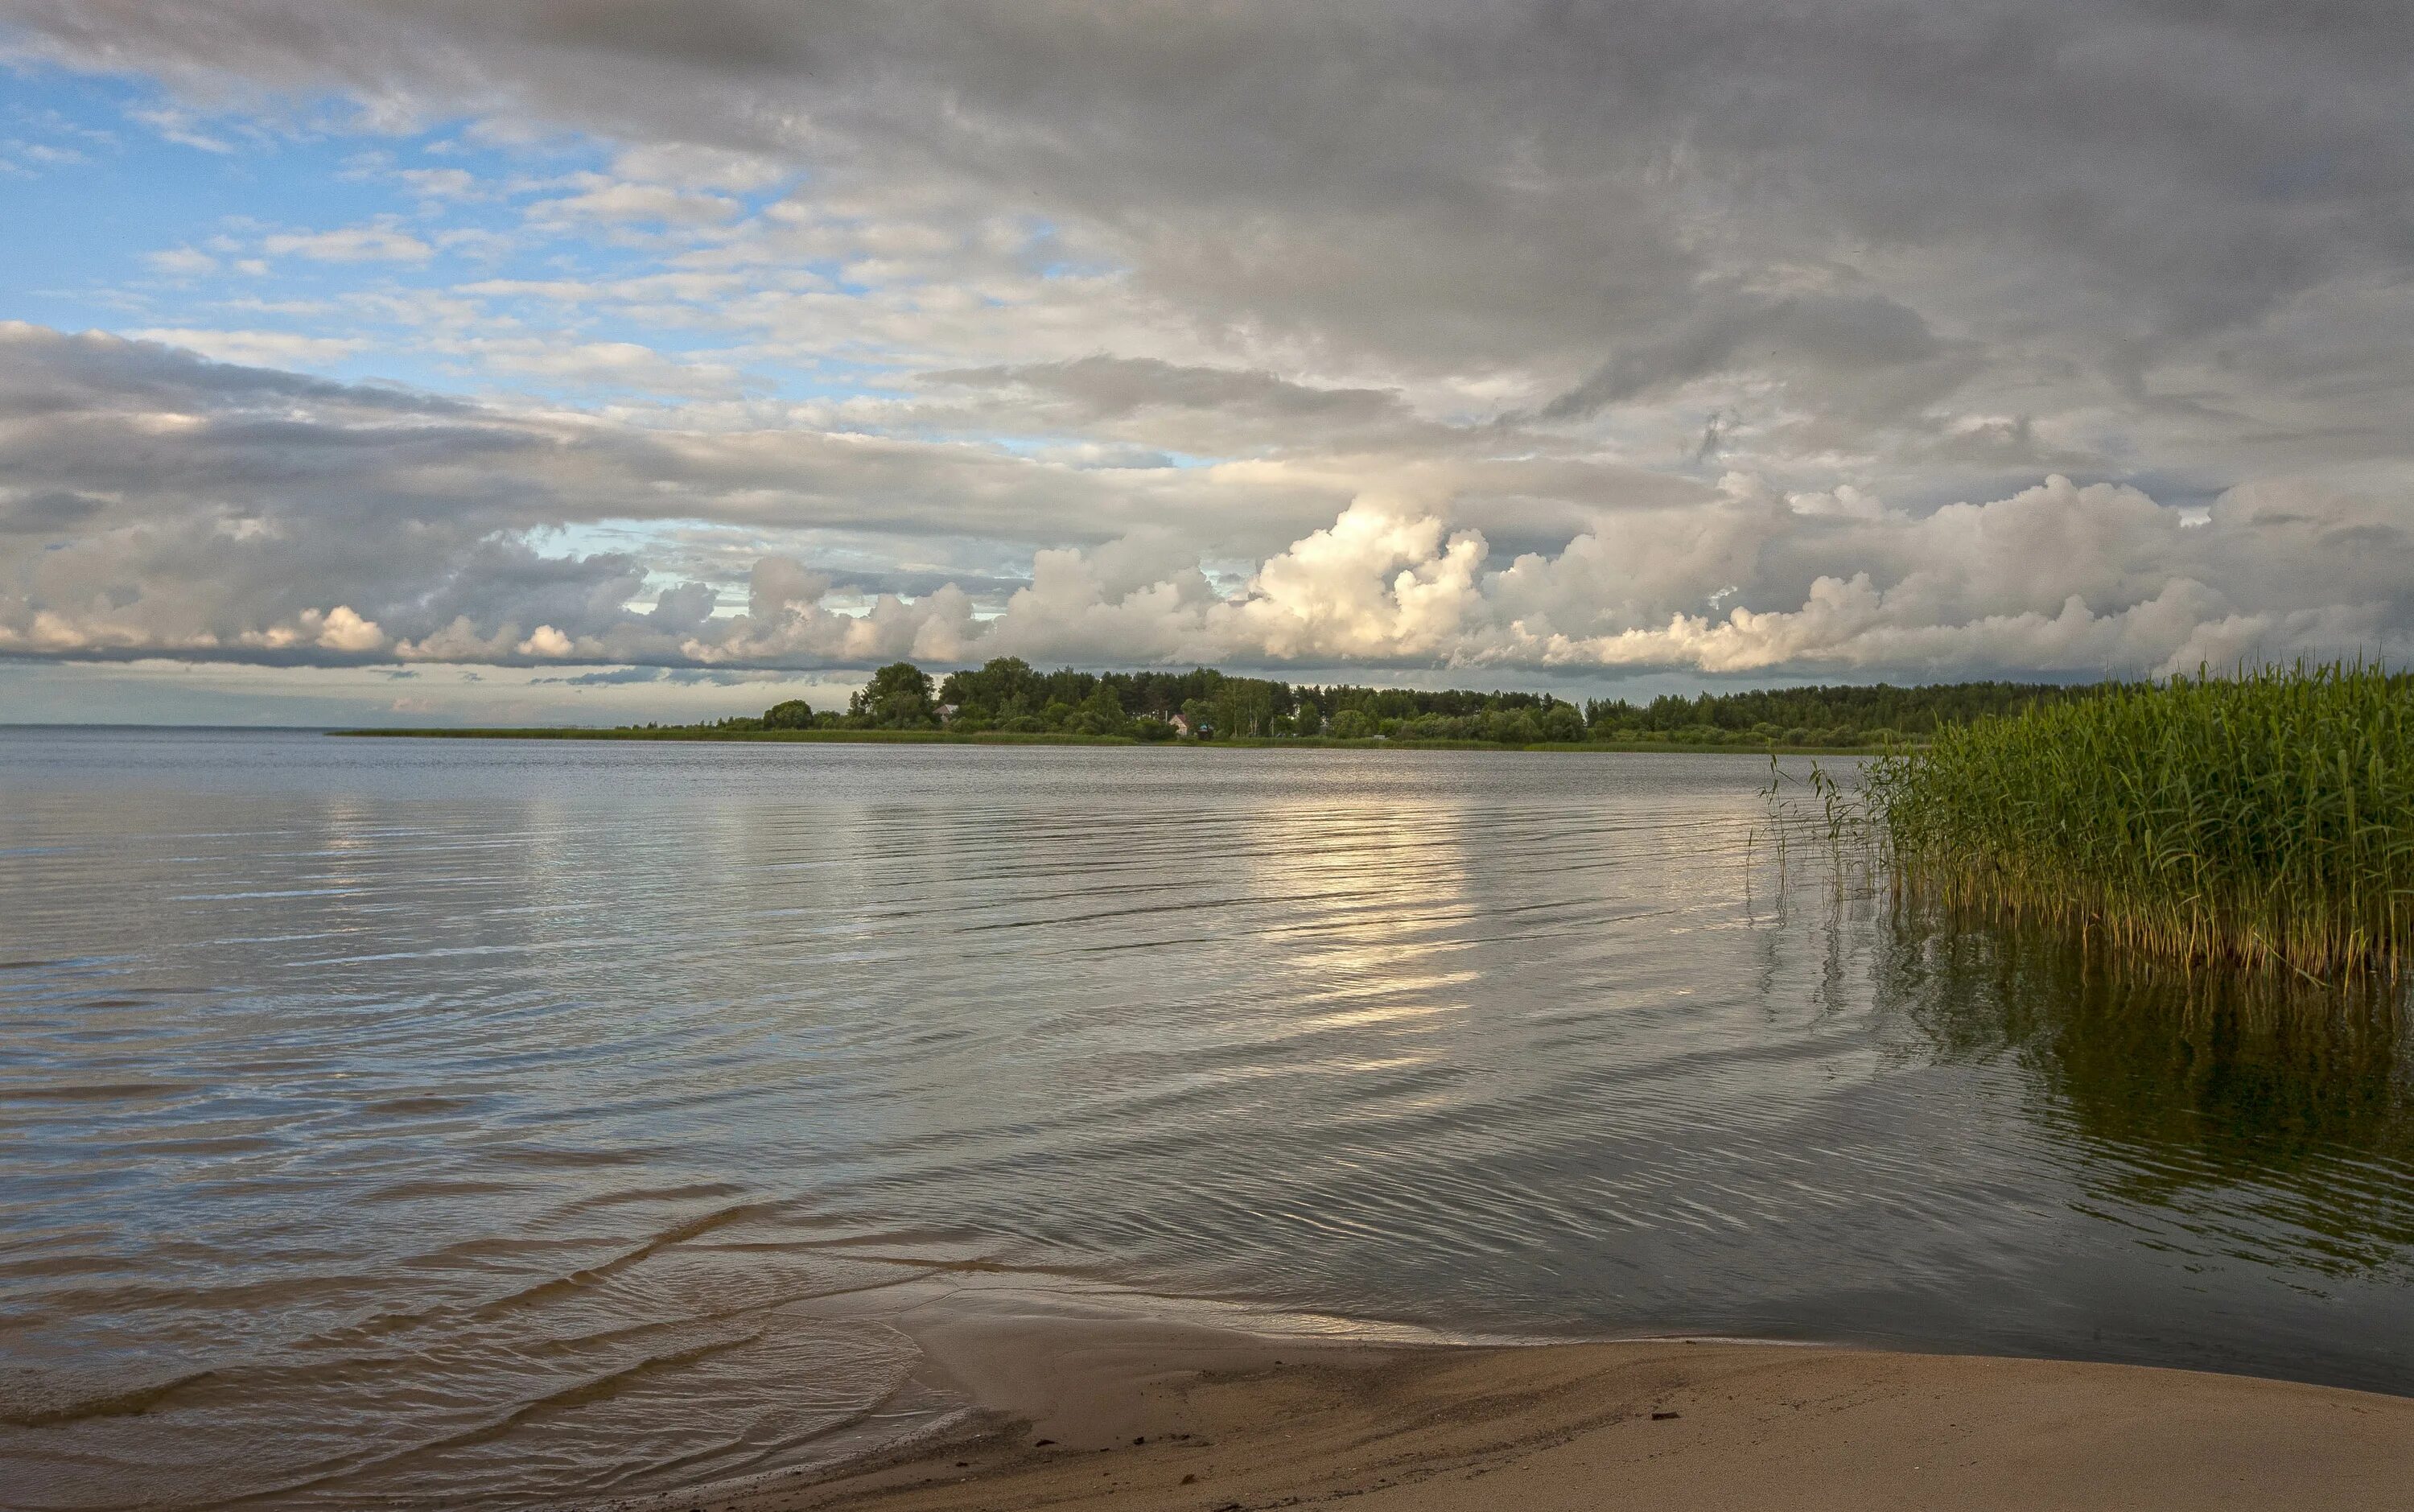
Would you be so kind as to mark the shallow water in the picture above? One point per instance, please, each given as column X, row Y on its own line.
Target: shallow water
column 428, row 1123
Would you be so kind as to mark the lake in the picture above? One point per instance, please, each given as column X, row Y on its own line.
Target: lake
column 409, row 1122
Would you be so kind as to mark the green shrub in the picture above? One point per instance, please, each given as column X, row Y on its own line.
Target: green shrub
column 794, row 715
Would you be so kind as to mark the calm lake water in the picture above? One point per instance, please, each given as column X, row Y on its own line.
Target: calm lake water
column 445, row 1123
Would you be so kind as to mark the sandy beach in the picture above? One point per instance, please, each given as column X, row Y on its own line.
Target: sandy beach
column 1189, row 1420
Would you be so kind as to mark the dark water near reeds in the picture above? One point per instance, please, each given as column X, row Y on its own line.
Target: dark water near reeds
column 439, row 1123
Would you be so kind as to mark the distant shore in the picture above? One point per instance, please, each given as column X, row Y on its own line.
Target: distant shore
column 1668, row 1425
column 908, row 737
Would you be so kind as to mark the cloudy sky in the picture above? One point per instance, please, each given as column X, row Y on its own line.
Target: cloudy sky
column 596, row 359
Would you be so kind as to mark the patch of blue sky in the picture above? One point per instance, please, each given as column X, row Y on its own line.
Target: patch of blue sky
column 94, row 191
column 363, row 255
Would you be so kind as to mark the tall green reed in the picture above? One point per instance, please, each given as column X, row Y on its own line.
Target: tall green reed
column 2265, row 818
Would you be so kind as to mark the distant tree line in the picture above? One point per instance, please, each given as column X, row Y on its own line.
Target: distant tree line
column 1009, row 694
column 1869, row 714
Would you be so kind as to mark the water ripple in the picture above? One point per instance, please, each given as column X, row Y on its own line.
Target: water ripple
column 430, row 1124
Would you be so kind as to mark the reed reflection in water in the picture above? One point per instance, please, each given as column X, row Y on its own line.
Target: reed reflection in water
column 2259, row 1116
column 439, row 1124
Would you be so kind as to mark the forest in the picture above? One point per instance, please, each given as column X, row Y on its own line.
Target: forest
column 1008, row 695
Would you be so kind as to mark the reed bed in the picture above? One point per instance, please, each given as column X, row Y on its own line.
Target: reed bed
column 2265, row 818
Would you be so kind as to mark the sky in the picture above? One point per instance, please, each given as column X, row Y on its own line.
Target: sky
column 437, row 361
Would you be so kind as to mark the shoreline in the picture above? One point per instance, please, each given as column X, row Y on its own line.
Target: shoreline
column 1176, row 1417
column 1241, row 742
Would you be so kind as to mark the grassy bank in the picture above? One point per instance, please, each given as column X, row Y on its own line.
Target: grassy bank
column 777, row 736
column 894, row 737
column 2264, row 819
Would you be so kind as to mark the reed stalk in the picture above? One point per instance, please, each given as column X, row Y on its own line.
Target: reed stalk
column 2261, row 819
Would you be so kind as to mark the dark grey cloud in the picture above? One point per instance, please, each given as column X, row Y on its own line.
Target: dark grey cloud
column 1103, row 388
column 82, row 373
column 683, row 610
column 55, row 512
column 1143, row 410
column 1832, row 335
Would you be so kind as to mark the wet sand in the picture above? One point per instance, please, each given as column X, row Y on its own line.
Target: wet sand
column 1187, row 1419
